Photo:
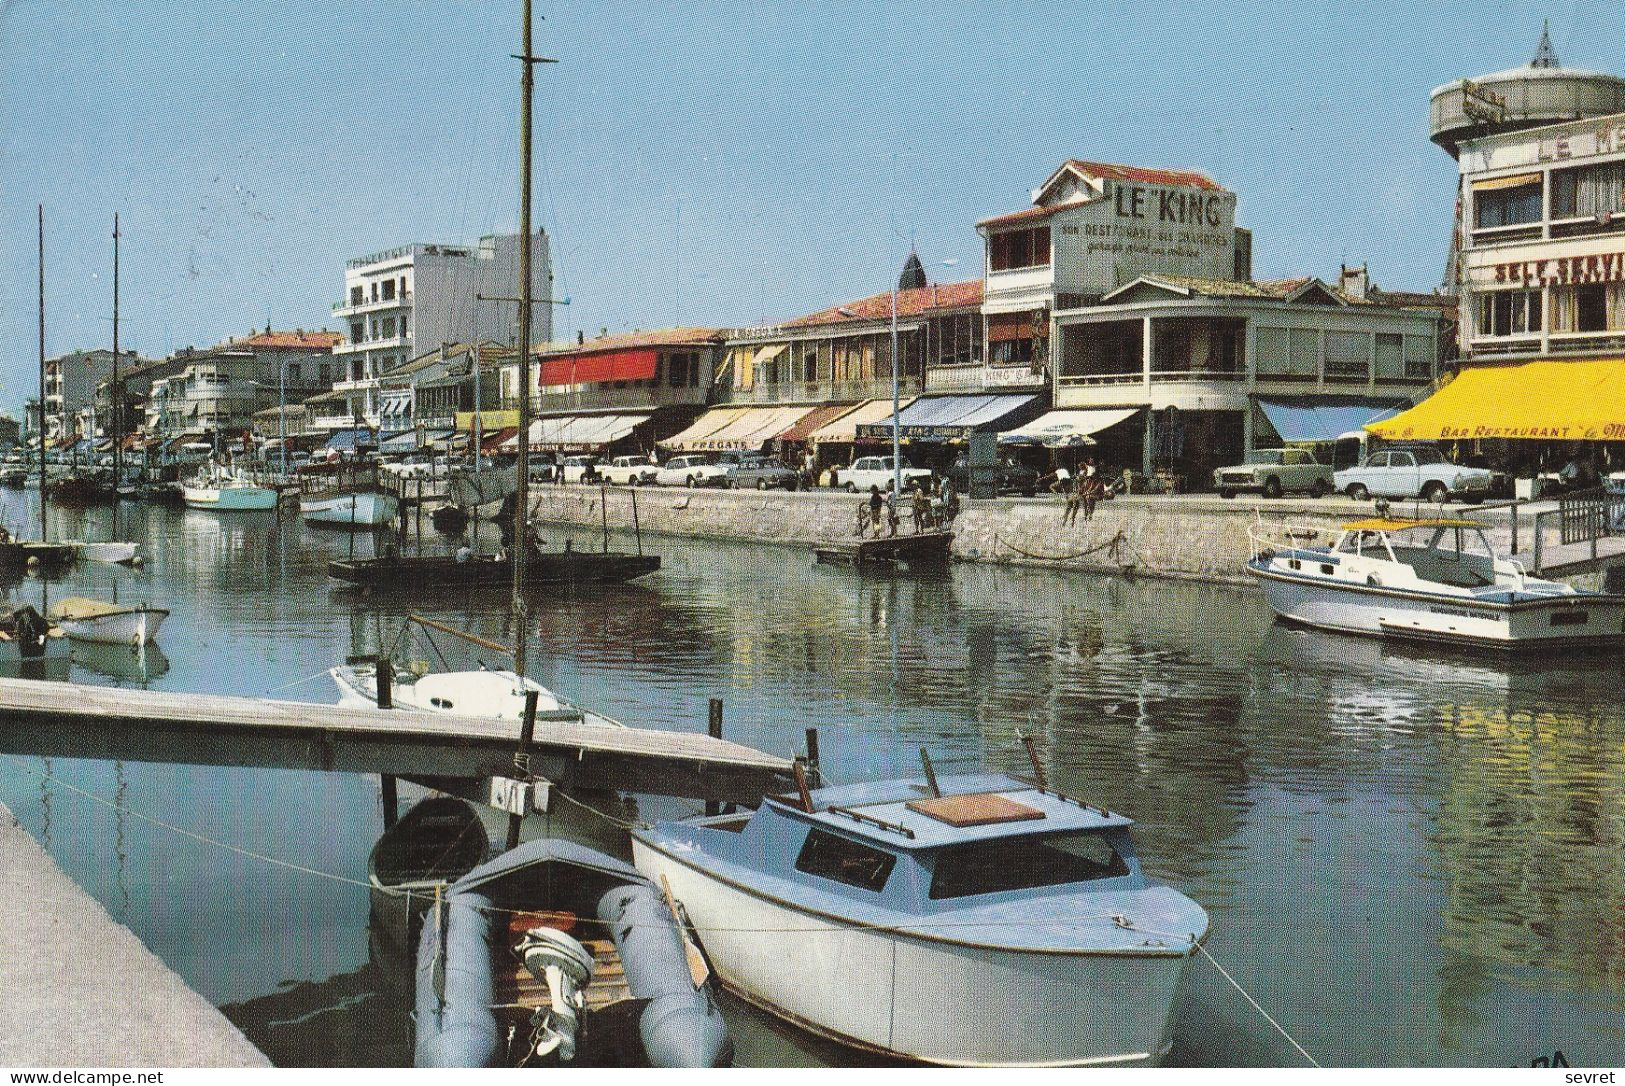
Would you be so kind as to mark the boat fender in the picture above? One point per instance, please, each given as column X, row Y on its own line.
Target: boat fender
column 455, row 1025
column 681, row 1026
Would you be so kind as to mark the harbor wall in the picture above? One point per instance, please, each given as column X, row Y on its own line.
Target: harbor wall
column 81, row 990
column 1198, row 538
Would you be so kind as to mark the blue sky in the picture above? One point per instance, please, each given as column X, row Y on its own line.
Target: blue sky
column 252, row 150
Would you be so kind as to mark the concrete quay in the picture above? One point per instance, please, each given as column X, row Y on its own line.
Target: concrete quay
column 82, row 991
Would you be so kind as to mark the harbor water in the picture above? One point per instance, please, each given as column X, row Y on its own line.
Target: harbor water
column 1408, row 858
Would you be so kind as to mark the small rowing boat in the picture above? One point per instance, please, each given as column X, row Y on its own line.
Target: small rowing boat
column 85, row 619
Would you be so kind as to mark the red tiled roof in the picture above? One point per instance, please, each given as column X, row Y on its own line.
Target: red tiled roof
column 1024, row 215
column 1149, row 175
column 910, row 303
column 324, row 341
column 660, row 337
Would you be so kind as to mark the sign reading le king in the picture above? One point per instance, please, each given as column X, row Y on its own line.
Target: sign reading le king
column 1142, row 229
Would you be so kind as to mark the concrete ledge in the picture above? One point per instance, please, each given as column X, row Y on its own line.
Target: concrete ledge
column 80, row 990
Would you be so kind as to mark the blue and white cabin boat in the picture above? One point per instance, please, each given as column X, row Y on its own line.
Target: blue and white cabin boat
column 1431, row 580
column 996, row 924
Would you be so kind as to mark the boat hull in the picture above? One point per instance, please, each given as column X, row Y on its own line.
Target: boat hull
column 134, row 627
column 548, row 567
column 229, row 499
column 116, row 553
column 888, row 992
column 367, row 509
column 1543, row 622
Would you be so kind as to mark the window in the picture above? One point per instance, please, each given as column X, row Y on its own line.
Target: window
column 1592, row 307
column 1510, row 206
column 327, row 373
column 1020, row 249
column 1010, row 352
column 1305, row 351
column 1401, row 460
column 358, row 331
column 1419, row 356
column 1589, row 191
column 389, row 328
column 1509, row 313
column 1348, row 354
column 1425, row 455
column 294, row 372
column 389, row 290
column 988, row 867
column 356, row 295
column 1390, row 354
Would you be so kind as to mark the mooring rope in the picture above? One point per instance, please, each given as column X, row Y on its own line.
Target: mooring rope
column 1113, row 546
column 1233, row 983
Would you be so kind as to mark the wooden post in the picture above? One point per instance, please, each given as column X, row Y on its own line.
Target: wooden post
column 391, row 801
column 384, row 674
column 930, row 773
column 812, row 756
column 1032, row 756
column 420, row 508
column 713, row 726
column 521, row 761
column 603, row 512
column 800, row 768
column 637, row 529
column 1514, row 526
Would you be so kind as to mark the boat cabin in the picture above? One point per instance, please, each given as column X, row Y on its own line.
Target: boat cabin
column 986, row 839
column 1383, row 551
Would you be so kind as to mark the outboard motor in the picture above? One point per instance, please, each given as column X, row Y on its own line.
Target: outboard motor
column 681, row 1026
column 455, row 984
column 565, row 966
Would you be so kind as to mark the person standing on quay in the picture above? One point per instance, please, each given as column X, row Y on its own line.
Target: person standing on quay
column 876, row 503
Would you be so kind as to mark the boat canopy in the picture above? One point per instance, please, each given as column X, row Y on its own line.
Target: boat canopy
column 1544, row 400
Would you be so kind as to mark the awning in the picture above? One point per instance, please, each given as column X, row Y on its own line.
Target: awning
column 580, row 369
column 1301, row 420
column 347, row 440
column 582, row 431
column 1008, row 327
column 743, row 428
column 817, row 417
column 399, row 404
column 1548, row 400
column 948, row 418
column 490, row 442
column 1515, row 181
column 400, row 442
column 845, row 427
column 1067, row 427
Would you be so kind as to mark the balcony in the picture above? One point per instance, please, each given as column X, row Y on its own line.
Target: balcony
column 976, row 377
column 373, row 345
column 639, row 398
column 368, row 305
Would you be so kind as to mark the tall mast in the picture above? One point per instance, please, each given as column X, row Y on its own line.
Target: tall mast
column 522, row 468
column 43, row 534
column 118, row 429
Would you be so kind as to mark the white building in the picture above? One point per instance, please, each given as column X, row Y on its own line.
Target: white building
column 405, row 301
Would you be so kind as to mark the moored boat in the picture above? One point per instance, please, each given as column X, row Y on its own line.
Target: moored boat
column 1424, row 580
column 111, row 552
column 438, row 841
column 86, row 619
column 974, row 920
column 522, row 957
column 568, row 566
column 481, row 692
column 354, row 509
column 224, row 492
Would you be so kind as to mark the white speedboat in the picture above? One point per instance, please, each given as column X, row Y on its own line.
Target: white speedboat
column 496, row 695
column 85, row 619
column 352, row 509
column 992, row 923
column 1431, row 580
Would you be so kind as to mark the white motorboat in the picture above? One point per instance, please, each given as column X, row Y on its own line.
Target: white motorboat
column 976, row 920
column 220, row 490
column 85, row 619
column 1431, row 580
column 497, row 695
column 354, row 509
column 113, row 552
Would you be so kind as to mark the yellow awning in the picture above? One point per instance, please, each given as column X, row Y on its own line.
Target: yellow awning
column 1548, row 400
column 1513, row 182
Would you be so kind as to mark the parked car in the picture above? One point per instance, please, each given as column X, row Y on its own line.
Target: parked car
column 754, row 471
column 579, row 469
column 692, row 469
column 868, row 471
column 1410, row 471
column 1273, row 472
column 414, row 466
column 1014, row 477
column 629, row 471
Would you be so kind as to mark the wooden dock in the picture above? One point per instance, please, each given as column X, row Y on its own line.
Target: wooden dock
column 69, row 720
column 920, row 548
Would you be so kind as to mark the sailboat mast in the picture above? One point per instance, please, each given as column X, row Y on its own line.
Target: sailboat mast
column 521, row 510
column 43, row 534
column 118, row 435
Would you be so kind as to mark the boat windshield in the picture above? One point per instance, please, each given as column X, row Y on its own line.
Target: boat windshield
column 1023, row 863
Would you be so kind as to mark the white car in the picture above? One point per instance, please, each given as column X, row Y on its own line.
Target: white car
column 579, row 469
column 414, row 467
column 695, row 469
column 629, row 471
column 868, row 471
column 1413, row 471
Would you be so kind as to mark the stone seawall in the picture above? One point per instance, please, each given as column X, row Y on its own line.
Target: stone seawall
column 1191, row 537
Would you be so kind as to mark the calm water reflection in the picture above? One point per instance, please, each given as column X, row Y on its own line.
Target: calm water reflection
column 1409, row 859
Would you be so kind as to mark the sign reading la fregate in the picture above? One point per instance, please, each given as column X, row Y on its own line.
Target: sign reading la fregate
column 1559, row 270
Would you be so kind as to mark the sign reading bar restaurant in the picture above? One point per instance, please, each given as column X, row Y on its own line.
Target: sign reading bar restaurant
column 1560, row 270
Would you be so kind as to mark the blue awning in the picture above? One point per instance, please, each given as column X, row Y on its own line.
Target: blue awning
column 945, row 418
column 400, row 442
column 347, row 440
column 1307, row 421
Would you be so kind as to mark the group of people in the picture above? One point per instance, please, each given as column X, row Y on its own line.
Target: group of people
column 879, row 509
column 1082, row 491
